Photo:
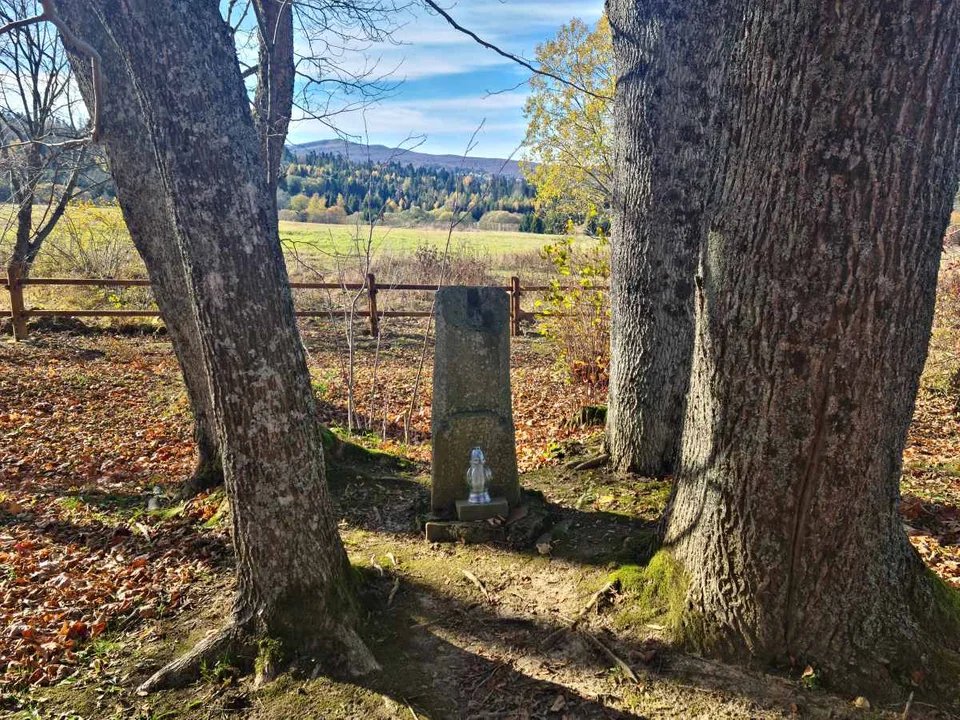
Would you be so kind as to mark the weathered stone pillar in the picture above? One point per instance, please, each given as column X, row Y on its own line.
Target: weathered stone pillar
column 471, row 394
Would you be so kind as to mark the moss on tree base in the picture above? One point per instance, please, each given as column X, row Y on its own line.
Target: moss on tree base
column 656, row 594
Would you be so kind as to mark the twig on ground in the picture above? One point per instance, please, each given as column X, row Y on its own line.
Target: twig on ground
column 592, row 463
column 906, row 709
column 555, row 635
column 476, row 581
column 393, row 590
column 486, row 678
column 446, row 617
column 613, row 656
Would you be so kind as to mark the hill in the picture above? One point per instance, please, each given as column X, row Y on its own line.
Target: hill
column 329, row 187
column 382, row 154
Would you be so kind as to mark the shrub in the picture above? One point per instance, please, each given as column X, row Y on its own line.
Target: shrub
column 299, row 202
column 498, row 219
column 290, row 216
column 460, row 266
column 576, row 309
column 90, row 241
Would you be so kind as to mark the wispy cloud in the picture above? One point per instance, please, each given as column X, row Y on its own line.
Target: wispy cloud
column 450, row 116
column 447, row 77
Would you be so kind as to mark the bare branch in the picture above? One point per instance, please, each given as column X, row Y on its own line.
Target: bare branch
column 509, row 56
column 50, row 15
column 17, row 24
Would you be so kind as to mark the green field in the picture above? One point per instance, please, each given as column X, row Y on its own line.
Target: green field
column 340, row 239
column 86, row 229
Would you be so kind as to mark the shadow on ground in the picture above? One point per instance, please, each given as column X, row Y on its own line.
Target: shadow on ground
column 498, row 644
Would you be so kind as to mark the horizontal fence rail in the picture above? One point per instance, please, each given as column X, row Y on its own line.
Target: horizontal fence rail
column 19, row 313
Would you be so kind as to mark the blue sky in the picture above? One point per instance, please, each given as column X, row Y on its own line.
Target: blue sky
column 447, row 77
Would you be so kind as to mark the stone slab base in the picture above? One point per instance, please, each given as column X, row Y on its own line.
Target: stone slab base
column 524, row 524
column 468, row 532
column 468, row 512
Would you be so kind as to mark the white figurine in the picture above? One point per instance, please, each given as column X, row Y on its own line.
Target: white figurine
column 478, row 478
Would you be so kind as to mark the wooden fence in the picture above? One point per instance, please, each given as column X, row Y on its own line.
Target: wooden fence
column 15, row 283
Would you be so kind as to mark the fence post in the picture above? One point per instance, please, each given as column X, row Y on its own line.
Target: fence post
column 515, row 312
column 372, row 304
column 14, row 275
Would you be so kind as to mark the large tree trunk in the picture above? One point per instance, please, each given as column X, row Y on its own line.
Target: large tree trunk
column 293, row 573
column 276, row 75
column 660, row 117
column 139, row 189
column 142, row 197
column 814, row 307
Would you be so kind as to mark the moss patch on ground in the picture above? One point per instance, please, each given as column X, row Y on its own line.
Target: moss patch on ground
column 654, row 594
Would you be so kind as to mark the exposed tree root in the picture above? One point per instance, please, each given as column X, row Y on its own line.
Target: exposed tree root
column 234, row 640
column 206, row 476
column 609, row 587
column 360, row 661
column 186, row 668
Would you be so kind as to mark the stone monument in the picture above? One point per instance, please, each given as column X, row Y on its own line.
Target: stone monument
column 471, row 401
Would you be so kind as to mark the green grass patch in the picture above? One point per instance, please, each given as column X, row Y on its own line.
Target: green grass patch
column 340, row 239
column 950, row 468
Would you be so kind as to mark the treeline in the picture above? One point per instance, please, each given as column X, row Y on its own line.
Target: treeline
column 322, row 187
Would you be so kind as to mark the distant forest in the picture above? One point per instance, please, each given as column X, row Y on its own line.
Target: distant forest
column 322, row 187
column 329, row 188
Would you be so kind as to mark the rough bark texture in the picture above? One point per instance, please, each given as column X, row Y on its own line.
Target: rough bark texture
column 660, row 113
column 814, row 306
column 140, row 191
column 276, row 74
column 293, row 574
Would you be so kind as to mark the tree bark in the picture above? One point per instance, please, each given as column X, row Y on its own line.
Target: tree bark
column 660, row 117
column 138, row 189
column 276, row 75
column 142, row 198
column 293, row 574
column 814, row 306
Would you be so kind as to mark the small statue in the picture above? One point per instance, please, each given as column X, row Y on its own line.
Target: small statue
column 478, row 478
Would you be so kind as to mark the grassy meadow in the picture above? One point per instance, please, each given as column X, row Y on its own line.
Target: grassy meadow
column 85, row 228
column 92, row 241
column 340, row 239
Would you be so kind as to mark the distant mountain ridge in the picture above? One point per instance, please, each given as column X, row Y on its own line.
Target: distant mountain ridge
column 381, row 153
